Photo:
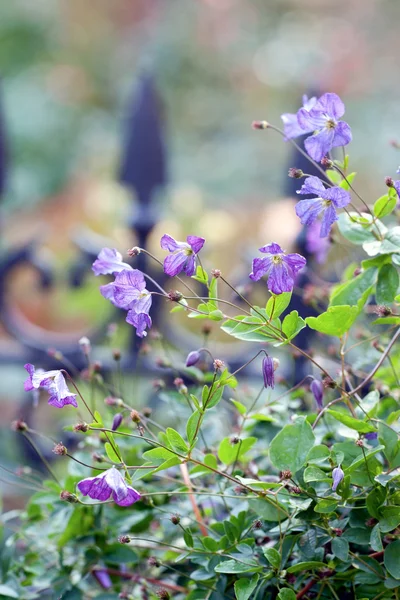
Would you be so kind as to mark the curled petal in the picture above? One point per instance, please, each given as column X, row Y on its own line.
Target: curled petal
column 328, row 219
column 271, row 249
column 330, row 104
column 291, row 126
column 261, row 266
column 308, row 210
column 140, row 321
column 338, row 195
column 343, row 135
column 168, row 243
column 312, row 185
column 28, row 385
column 190, row 265
column 280, row 279
column 131, row 497
column 174, row 263
column 96, row 488
column 109, row 261
column 295, row 262
column 196, row 243
column 310, row 121
column 117, row 483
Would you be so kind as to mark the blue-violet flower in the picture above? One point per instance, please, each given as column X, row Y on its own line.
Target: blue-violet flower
column 183, row 254
column 280, row 268
column 109, row 483
column 109, row 262
column 291, row 124
column 317, row 390
column 337, row 477
column 53, row 382
column 268, row 372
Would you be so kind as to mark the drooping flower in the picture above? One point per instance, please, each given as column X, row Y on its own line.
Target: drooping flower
column 192, row 358
column 109, row 262
column 109, row 483
column 128, row 291
column 117, row 420
column 53, row 382
column 280, row 268
column 317, row 390
column 337, row 477
column 268, row 372
column 103, row 578
column 327, row 201
column 291, row 124
column 315, row 244
column 183, row 254
column 320, row 118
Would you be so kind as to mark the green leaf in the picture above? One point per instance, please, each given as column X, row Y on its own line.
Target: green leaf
column 309, row 565
column 292, row 324
column 391, row 559
column 210, row 544
column 176, row 440
column 273, row 557
column 351, row 422
column 234, row 566
column 112, row 455
column 335, row 321
column 9, row 592
column 388, row 283
column 356, row 291
column 374, row 500
column 375, row 540
column 266, row 510
column 192, row 426
column 200, row 275
column 188, row 538
column 391, row 243
column 209, row 461
column 245, row 587
column 384, row 205
column 277, row 304
column 314, row 473
column 158, row 455
column 171, row 462
column 356, row 230
column 286, row 594
column 240, row 407
column 250, row 329
column 326, row 505
column 228, row 453
column 318, row 454
column 389, row 519
column 289, row 448
column 340, row 548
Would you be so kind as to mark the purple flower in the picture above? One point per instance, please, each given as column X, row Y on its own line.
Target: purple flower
column 337, row 476
column 280, row 268
column 109, row 262
column 397, row 185
column 117, row 420
column 183, row 254
column 315, row 244
column 109, row 483
column 371, row 436
column 103, row 578
column 53, row 382
column 290, row 122
column 318, row 392
column 327, row 201
column 128, row 291
column 268, row 372
column 192, row 358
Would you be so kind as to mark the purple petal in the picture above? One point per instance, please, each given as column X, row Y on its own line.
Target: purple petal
column 95, row 487
column 337, row 476
column 103, row 578
column 308, row 104
column 190, row 265
column 128, row 286
column 28, row 385
column 107, row 291
column 328, row 219
column 312, row 185
column 268, row 372
column 196, row 243
column 173, row 264
column 315, row 244
column 339, row 196
column 291, row 126
column 131, row 497
column 116, row 482
column 397, row 186
column 261, row 266
column 169, row 243
column 280, row 279
column 371, row 436
column 311, row 121
column 343, row 135
column 330, row 104
column 109, row 261
column 317, row 390
column 308, row 210
column 139, row 321
column 295, row 262
column 271, row 249
column 192, row 358
column 319, row 144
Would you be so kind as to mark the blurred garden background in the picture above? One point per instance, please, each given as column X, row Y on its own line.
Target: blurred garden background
column 70, row 71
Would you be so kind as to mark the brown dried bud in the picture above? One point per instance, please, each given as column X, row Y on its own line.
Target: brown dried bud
column 257, row 524
column 286, row 474
column 145, row 349
column 218, row 364
column 152, row 561
column 175, row 295
column 326, row 162
column 383, row 311
column 135, row 416
column 239, row 490
column 371, row 522
column 389, row 181
column 147, row 411
column 97, row 457
column 338, row 532
column 124, row 539
column 68, row 497
column 97, row 366
column 328, row 382
column 116, row 354
column 295, row 489
column 178, row 381
column 60, row 449
column 360, row 443
column 175, row 519
column 216, row 273
column 81, row 427
column 133, row 251
column 260, row 125
column 357, row 271
column 19, row 425
column 234, row 440
column 206, row 329
column 295, row 173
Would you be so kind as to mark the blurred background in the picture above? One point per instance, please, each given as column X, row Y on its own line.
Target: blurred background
column 71, row 76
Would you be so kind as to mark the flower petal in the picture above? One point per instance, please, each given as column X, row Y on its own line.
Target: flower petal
column 312, row 185
column 310, row 121
column 339, row 196
column 168, row 243
column 319, row 144
column 268, row 372
column 109, row 261
column 28, row 385
column 96, row 488
column 261, row 266
column 295, row 262
column 291, row 126
column 328, row 219
column 308, row 210
column 280, row 279
column 131, row 497
column 190, row 265
column 173, row 264
column 343, row 135
column 140, row 321
column 330, row 104
column 196, row 243
column 117, row 483
column 271, row 249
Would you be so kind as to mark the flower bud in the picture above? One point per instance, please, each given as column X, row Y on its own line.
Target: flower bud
column 326, row 162
column 133, row 251
column 295, row 173
column 268, row 372
column 85, row 345
column 163, row 594
column 234, row 440
column 371, row 436
column 19, row 425
column 389, row 182
column 257, row 524
column 81, row 427
column 152, row 561
column 175, row 519
column 135, row 416
column 60, row 449
column 216, row 273
column 175, row 296
column 117, row 420
column 147, row 411
column 337, row 477
column 286, row 474
column 192, row 358
column 360, row 443
column 116, row 354
column 124, row 539
column 218, row 364
column 68, row 497
column 317, row 390
column 259, row 125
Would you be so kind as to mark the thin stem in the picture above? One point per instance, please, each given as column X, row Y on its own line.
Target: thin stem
column 43, row 459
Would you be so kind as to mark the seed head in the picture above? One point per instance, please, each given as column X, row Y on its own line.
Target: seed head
column 175, row 295
column 60, row 449
column 286, row 474
column 295, row 173
column 218, row 364
column 175, row 519
column 124, row 539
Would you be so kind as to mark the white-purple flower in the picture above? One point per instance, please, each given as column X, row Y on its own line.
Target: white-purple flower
column 109, row 262
column 128, row 291
column 327, row 201
column 280, row 268
column 183, row 254
column 322, row 120
column 109, row 483
column 53, row 382
column 337, row 477
column 268, row 372
column 291, row 124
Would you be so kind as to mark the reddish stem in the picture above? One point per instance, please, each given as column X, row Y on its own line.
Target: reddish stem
column 134, row 577
column 306, row 589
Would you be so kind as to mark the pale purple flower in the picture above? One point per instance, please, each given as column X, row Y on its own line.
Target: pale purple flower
column 268, row 372
column 291, row 124
column 315, row 244
column 397, row 186
column 192, row 358
column 327, row 201
column 117, row 420
column 103, row 578
column 317, row 390
column 280, row 268
column 183, row 254
column 128, row 291
column 53, row 382
column 323, row 121
column 337, row 477
column 109, row 262
column 371, row 436
column 109, row 483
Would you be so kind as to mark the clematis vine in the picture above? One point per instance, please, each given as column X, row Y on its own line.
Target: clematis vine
column 53, row 382
column 109, row 483
column 280, row 268
column 183, row 254
column 327, row 202
column 321, row 118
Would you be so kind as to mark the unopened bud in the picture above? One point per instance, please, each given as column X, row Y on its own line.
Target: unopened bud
column 326, row 162
column 153, row 561
column 116, row 354
column 19, row 425
column 295, row 173
column 383, row 311
column 110, row 401
column 158, row 384
column 163, row 594
column 85, row 345
column 389, row 182
column 234, row 440
column 140, row 429
column 360, row 443
column 175, row 296
column 133, row 251
column 55, row 353
column 117, row 420
column 218, row 364
column 81, row 427
column 97, row 457
column 286, row 474
column 259, row 124
column 192, row 358
column 147, row 411
column 135, row 416
column 357, row 272
column 206, row 329
column 68, row 497
column 257, row 524
column 175, row 519
column 60, row 449
column 216, row 273
column 124, row 539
